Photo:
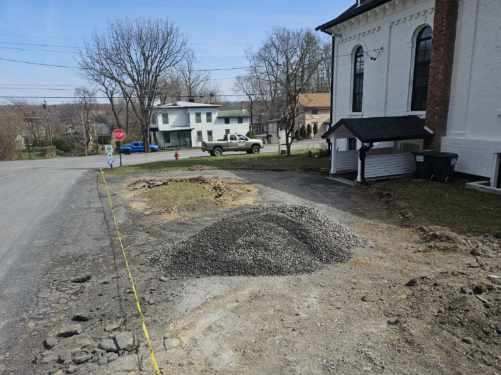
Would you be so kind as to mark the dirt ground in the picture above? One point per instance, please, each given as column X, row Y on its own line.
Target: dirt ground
column 412, row 300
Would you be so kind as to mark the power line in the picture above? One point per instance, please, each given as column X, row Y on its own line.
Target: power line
column 79, row 68
column 45, row 45
column 105, row 97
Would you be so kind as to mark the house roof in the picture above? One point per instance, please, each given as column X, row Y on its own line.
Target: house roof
column 351, row 12
column 380, row 129
column 181, row 104
column 234, row 113
column 315, row 100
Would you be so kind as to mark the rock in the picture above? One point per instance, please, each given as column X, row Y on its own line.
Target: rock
column 113, row 326
column 111, row 357
column 126, row 363
column 80, row 317
column 108, row 345
column 476, row 253
column 71, row 369
column 50, row 342
column 48, row 358
column 468, row 340
column 364, row 299
column 102, row 361
column 81, row 357
column 82, row 279
column 393, row 321
column 412, row 282
column 69, row 330
column 57, row 372
column 171, row 343
column 86, row 342
column 125, row 341
column 494, row 279
column 164, row 279
column 64, row 358
column 478, row 289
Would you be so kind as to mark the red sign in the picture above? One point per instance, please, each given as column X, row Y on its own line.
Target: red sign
column 119, row 135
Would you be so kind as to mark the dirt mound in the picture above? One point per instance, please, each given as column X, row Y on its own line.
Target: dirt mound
column 442, row 239
column 266, row 241
column 461, row 306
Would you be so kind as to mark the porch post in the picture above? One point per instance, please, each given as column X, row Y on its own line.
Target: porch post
column 333, row 155
column 359, row 168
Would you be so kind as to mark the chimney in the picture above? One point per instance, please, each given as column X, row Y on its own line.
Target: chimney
column 444, row 38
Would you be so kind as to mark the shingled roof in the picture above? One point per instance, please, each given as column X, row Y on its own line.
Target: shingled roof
column 315, row 100
column 351, row 12
column 380, row 129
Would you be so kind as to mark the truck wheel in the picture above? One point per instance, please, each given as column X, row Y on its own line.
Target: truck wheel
column 255, row 149
column 218, row 151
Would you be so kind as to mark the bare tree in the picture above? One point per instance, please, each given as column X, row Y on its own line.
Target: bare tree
column 281, row 70
column 135, row 55
column 86, row 102
column 170, row 87
column 194, row 82
column 11, row 123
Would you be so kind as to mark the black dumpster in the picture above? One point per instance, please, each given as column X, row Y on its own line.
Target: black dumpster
column 440, row 165
column 423, row 169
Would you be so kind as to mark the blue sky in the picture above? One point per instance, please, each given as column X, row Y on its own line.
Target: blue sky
column 219, row 31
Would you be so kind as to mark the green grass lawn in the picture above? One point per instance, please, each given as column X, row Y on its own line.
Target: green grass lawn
column 450, row 205
column 229, row 162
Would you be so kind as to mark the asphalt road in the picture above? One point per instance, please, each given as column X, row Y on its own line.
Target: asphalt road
column 37, row 199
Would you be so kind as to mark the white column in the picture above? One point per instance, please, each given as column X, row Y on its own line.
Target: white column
column 333, row 154
column 359, row 163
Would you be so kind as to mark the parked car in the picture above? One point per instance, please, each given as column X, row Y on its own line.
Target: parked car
column 233, row 142
column 133, row 147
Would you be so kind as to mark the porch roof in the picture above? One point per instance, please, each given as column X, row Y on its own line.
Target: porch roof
column 380, row 129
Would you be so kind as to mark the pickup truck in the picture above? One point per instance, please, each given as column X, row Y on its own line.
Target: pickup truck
column 233, row 142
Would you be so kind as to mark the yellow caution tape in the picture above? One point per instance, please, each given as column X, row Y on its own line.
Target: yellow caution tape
column 132, row 281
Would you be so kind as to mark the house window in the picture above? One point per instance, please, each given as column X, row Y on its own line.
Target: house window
column 226, row 131
column 209, row 135
column 314, row 111
column 165, row 118
column 166, row 137
column 200, row 136
column 226, row 120
column 198, row 117
column 422, row 61
column 358, row 79
column 208, row 117
column 240, row 120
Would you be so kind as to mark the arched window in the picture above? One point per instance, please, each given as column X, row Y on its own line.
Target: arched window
column 422, row 61
column 358, row 80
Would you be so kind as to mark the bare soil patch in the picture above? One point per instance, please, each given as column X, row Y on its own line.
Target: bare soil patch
column 173, row 198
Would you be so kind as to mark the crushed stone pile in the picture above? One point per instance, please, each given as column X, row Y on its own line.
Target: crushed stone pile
column 263, row 241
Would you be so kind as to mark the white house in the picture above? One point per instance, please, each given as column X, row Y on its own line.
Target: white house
column 439, row 60
column 187, row 124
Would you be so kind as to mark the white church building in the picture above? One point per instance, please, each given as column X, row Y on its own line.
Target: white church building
column 426, row 74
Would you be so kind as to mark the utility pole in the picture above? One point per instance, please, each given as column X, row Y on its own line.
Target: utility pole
column 47, row 122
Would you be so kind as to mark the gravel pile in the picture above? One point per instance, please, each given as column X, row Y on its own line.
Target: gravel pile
column 266, row 241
